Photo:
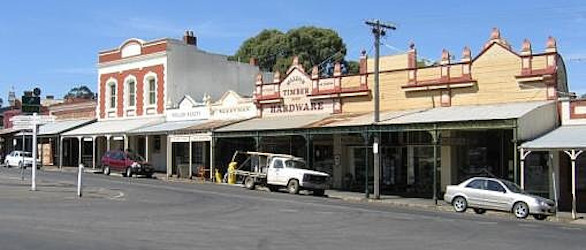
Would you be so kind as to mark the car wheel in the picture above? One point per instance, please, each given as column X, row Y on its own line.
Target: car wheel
column 460, row 204
column 249, row 183
column 521, row 210
column 479, row 210
column 106, row 170
column 540, row 216
column 293, row 186
column 319, row 192
column 128, row 172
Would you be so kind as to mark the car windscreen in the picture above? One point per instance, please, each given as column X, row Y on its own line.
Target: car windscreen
column 135, row 157
column 513, row 187
column 296, row 164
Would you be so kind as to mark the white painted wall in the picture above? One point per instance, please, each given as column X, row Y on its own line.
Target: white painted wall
column 194, row 72
column 538, row 122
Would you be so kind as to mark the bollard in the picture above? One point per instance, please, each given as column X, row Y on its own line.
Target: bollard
column 79, row 180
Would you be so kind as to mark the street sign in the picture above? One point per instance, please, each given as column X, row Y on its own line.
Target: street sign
column 31, row 104
column 27, row 121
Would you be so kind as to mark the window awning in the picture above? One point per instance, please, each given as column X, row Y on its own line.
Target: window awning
column 467, row 113
column 58, row 127
column 112, row 127
column 562, row 138
column 166, row 127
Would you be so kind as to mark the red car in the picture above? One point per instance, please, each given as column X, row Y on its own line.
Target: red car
column 127, row 163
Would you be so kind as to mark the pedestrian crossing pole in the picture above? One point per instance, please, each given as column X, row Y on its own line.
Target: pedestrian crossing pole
column 378, row 29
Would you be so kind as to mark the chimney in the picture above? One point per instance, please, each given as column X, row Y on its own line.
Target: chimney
column 189, row 38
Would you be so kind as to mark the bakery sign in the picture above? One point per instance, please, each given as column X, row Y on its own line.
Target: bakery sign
column 295, row 91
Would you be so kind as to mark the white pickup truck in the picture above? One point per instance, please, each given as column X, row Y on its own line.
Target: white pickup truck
column 20, row 159
column 279, row 170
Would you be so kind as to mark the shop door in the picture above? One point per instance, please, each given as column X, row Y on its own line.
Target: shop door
column 420, row 170
column 361, row 159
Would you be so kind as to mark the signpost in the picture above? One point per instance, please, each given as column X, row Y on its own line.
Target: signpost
column 31, row 104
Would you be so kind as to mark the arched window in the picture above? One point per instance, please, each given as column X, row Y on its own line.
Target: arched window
column 112, row 95
column 150, row 91
column 131, row 86
column 152, row 87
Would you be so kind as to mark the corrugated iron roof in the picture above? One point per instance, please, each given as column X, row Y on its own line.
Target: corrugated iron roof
column 165, row 127
column 57, row 127
column 467, row 113
column 564, row 137
column 113, row 127
column 275, row 123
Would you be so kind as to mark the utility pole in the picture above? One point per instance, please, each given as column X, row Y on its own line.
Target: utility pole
column 378, row 29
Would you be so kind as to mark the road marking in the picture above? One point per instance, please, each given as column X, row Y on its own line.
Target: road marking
column 117, row 197
column 572, row 228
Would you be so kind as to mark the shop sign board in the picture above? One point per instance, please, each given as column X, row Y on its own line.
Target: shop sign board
column 295, row 91
column 179, row 138
column 201, row 137
column 232, row 106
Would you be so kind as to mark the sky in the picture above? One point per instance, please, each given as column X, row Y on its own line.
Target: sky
column 54, row 45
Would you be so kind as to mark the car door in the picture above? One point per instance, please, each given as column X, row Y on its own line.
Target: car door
column 10, row 158
column 118, row 161
column 475, row 192
column 496, row 195
column 274, row 172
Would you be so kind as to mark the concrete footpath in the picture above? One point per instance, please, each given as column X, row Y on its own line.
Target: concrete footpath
column 390, row 200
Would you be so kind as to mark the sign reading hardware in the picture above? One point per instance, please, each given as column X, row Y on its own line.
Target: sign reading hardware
column 295, row 91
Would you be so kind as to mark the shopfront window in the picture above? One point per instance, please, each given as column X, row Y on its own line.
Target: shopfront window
column 481, row 153
column 537, row 174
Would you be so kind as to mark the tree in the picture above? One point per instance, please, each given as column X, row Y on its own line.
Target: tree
column 81, row 91
column 274, row 49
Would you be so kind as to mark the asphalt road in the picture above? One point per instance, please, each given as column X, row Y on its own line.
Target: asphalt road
column 136, row 213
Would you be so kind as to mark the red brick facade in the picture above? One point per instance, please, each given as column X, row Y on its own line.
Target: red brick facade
column 139, row 74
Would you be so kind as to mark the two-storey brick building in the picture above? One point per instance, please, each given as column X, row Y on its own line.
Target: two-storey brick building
column 140, row 80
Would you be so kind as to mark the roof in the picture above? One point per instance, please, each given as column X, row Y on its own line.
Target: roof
column 8, row 131
column 564, row 137
column 165, row 127
column 466, row 113
column 113, row 127
column 58, row 127
column 274, row 123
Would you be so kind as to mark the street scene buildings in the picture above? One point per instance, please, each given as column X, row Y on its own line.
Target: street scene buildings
column 491, row 127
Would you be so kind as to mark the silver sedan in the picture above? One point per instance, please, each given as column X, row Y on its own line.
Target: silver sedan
column 483, row 194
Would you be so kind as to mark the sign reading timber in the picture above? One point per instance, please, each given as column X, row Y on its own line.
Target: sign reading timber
column 295, row 91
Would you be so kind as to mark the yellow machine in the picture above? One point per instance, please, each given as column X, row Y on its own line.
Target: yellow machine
column 232, row 172
column 218, row 176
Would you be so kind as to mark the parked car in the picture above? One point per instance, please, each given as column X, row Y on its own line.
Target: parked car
column 20, row 159
column 127, row 163
column 481, row 194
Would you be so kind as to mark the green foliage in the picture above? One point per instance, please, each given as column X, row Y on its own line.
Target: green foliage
column 353, row 67
column 81, row 91
column 274, row 49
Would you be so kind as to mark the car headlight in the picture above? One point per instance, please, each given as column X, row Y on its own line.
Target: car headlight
column 542, row 203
